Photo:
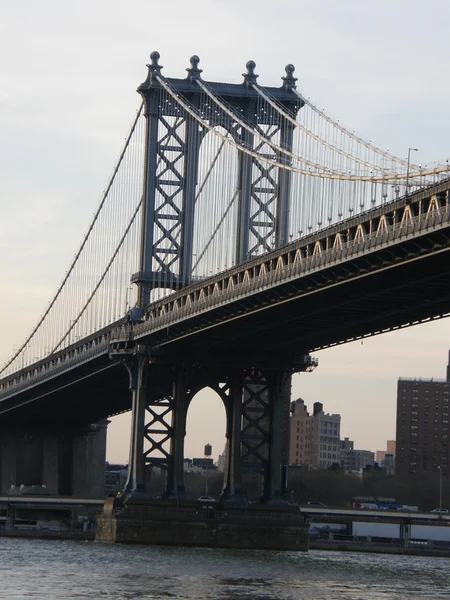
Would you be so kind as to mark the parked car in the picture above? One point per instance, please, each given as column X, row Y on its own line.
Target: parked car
column 440, row 510
column 206, row 499
column 318, row 504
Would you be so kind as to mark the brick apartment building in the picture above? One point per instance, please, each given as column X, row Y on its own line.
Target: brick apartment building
column 422, row 425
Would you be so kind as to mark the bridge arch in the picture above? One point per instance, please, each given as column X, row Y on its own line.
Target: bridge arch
column 206, row 424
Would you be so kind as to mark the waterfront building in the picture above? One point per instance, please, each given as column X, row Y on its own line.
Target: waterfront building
column 422, row 425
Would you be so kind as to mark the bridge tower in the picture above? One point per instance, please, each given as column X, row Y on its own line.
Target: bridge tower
column 171, row 173
column 254, row 391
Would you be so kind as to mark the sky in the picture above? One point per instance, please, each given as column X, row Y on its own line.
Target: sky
column 68, row 74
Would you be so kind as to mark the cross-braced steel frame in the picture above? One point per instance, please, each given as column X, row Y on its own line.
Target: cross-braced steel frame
column 171, row 169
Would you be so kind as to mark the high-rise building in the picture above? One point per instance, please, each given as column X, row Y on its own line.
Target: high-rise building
column 422, row 425
column 314, row 439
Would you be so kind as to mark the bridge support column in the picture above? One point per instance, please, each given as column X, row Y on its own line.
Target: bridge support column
column 280, row 398
column 175, row 475
column 284, row 187
column 88, row 459
column 265, row 408
column 233, row 491
column 137, row 369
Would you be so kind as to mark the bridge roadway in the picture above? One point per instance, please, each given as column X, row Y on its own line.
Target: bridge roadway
column 382, row 270
column 314, row 513
column 333, row 515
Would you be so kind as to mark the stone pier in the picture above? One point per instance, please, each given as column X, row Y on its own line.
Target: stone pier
column 55, row 462
column 253, row 526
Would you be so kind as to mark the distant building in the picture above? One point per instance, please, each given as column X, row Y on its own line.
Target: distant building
column 199, row 465
column 115, row 478
column 328, row 435
column 390, row 449
column 222, row 460
column 388, row 463
column 379, row 456
column 422, row 425
column 352, row 459
column 314, row 439
column 346, row 455
column 301, row 435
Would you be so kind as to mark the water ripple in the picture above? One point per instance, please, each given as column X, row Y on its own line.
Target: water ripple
column 54, row 570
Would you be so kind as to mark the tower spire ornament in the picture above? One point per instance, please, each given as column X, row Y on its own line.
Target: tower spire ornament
column 289, row 80
column 193, row 71
column 250, row 77
column 154, row 66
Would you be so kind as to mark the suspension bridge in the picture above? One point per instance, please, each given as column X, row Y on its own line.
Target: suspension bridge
column 242, row 229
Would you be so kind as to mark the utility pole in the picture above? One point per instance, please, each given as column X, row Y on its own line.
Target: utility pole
column 407, row 168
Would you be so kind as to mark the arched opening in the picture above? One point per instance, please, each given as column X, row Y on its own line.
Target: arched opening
column 206, row 424
column 117, row 451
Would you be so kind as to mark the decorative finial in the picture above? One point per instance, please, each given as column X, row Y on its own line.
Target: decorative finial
column 289, row 80
column 194, row 71
column 250, row 77
column 154, row 67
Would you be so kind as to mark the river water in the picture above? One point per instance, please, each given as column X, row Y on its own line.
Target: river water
column 57, row 570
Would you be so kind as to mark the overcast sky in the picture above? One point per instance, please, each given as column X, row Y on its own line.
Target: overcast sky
column 68, row 74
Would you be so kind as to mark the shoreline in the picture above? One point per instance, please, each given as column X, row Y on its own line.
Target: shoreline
column 326, row 545
column 378, row 548
column 42, row 534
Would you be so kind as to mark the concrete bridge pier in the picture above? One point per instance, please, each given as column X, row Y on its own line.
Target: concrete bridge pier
column 56, row 462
